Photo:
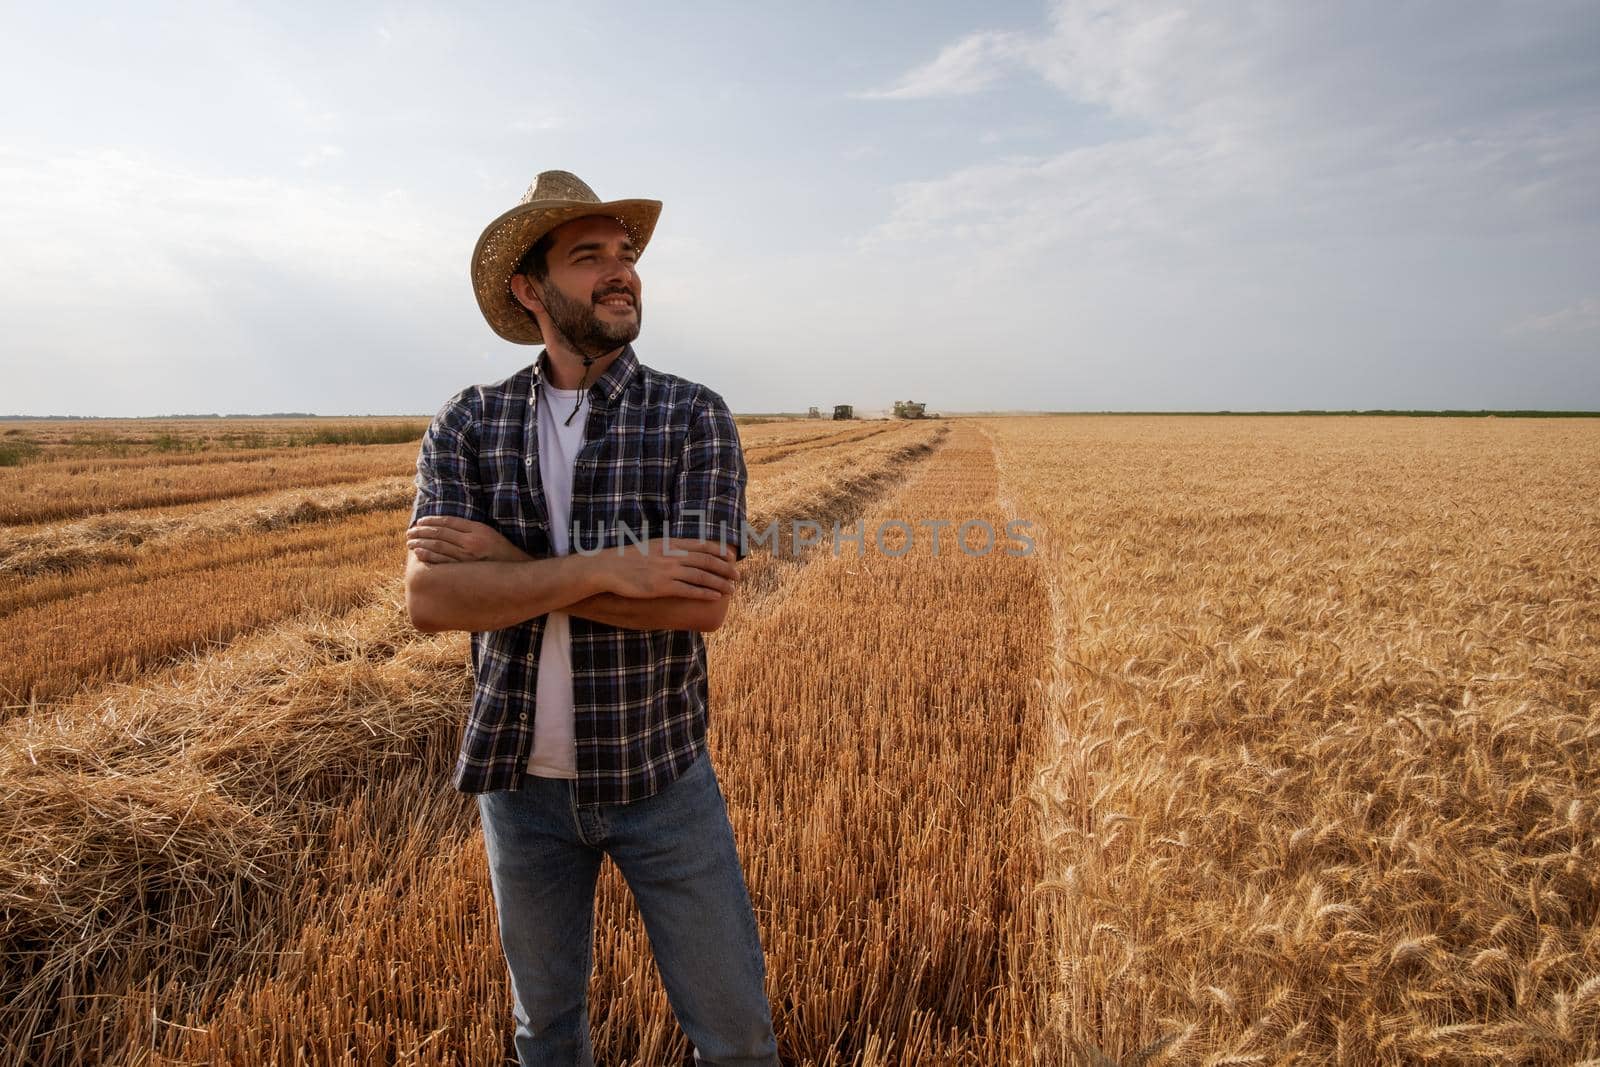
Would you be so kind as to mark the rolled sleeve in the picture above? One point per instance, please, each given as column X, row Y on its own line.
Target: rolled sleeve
column 447, row 464
column 708, row 500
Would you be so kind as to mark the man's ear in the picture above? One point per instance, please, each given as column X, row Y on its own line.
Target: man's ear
column 526, row 295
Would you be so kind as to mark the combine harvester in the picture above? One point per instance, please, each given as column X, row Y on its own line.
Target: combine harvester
column 912, row 409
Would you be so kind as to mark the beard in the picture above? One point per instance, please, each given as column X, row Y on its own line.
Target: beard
column 583, row 329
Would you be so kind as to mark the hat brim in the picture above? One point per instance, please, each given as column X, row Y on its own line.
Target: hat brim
column 507, row 239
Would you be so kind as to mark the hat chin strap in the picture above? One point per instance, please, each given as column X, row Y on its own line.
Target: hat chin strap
column 588, row 361
column 582, row 392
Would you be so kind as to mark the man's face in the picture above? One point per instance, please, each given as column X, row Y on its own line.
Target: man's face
column 592, row 291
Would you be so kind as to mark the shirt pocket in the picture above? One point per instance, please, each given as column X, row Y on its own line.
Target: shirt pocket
column 632, row 497
column 508, row 499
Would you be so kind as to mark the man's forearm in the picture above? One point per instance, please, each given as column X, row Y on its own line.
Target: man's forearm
column 657, row 613
column 491, row 595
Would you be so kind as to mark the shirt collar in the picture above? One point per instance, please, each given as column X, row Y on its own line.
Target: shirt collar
column 609, row 385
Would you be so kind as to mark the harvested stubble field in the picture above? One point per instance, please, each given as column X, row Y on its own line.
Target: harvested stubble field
column 1280, row 748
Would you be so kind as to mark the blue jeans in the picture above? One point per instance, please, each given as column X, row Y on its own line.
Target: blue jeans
column 676, row 851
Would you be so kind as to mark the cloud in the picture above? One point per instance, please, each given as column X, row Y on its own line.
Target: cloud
column 1279, row 124
column 538, row 123
column 147, row 282
column 86, row 210
column 1580, row 318
column 1295, row 205
column 321, row 154
column 960, row 69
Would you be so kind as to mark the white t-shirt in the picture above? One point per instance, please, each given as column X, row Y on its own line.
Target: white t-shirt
column 554, row 751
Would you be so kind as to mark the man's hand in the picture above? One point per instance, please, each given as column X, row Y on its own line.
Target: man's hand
column 447, row 539
column 671, row 567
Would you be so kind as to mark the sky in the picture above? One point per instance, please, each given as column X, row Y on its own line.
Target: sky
column 1038, row 206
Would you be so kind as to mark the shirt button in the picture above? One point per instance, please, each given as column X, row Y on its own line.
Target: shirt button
column 522, row 716
column 528, row 461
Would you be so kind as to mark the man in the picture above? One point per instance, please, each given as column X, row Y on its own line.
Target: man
column 587, row 734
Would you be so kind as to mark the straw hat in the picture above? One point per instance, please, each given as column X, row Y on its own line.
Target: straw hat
column 554, row 197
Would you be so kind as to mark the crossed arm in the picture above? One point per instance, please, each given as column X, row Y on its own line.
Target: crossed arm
column 465, row 575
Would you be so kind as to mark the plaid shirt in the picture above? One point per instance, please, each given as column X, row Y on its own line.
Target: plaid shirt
column 657, row 450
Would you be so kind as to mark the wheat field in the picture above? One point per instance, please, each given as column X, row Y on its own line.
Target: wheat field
column 1280, row 746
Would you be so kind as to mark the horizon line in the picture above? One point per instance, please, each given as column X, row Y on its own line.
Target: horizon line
column 954, row 413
